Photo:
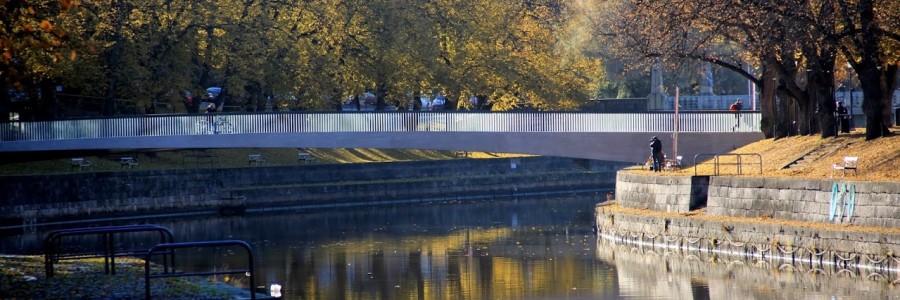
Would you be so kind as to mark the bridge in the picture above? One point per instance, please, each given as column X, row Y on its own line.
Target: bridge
column 621, row 137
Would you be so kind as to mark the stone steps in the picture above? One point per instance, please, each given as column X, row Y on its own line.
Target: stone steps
column 814, row 155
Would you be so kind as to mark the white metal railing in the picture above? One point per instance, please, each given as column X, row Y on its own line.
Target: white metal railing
column 714, row 102
column 392, row 121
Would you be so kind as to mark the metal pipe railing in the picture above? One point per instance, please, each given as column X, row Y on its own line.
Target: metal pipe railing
column 53, row 245
column 739, row 162
column 171, row 247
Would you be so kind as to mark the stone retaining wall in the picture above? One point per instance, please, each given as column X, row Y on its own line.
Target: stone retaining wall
column 754, row 238
column 669, row 274
column 661, row 193
column 877, row 203
column 105, row 194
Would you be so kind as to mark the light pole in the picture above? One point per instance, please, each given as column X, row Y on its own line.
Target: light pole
column 849, row 83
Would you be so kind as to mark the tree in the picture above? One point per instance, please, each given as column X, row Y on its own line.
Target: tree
column 870, row 41
column 796, row 42
column 37, row 44
column 141, row 57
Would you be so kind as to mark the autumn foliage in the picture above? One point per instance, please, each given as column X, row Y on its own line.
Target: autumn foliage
column 300, row 54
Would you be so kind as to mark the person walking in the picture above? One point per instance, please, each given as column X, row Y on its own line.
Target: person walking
column 656, row 153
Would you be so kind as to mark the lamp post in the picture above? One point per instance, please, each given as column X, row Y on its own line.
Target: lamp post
column 675, row 133
column 851, row 90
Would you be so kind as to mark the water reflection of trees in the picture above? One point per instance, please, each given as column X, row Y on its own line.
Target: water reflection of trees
column 486, row 263
column 655, row 271
column 540, row 248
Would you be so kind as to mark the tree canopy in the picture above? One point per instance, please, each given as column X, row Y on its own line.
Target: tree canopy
column 146, row 56
column 796, row 48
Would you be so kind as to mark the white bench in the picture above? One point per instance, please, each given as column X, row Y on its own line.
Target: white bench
column 80, row 163
column 849, row 163
column 257, row 159
column 128, row 162
column 305, row 157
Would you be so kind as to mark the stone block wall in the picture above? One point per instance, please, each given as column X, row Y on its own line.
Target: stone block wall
column 876, row 203
column 672, row 274
column 661, row 193
column 717, row 235
column 104, row 194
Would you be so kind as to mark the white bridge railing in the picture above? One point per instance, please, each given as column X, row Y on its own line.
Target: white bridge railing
column 393, row 121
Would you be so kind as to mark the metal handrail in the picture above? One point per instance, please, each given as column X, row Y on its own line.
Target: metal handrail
column 53, row 241
column 204, row 244
column 739, row 163
column 392, row 121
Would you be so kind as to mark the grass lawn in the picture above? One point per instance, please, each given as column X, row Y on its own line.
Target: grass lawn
column 22, row 277
column 879, row 159
column 225, row 158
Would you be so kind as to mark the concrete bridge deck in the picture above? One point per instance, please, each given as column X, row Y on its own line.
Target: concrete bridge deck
column 621, row 137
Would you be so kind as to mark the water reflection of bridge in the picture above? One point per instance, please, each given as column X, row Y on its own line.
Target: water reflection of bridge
column 604, row 136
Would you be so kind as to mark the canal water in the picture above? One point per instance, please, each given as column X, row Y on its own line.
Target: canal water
column 518, row 249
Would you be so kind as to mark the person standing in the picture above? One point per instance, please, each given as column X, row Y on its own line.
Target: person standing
column 211, row 108
column 210, row 120
column 737, row 106
column 656, row 153
column 843, row 117
column 189, row 103
column 736, row 109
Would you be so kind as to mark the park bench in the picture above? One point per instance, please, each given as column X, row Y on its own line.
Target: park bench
column 257, row 159
column 849, row 163
column 128, row 162
column 80, row 163
column 305, row 157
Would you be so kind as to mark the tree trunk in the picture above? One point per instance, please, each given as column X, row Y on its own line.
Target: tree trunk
column 821, row 93
column 48, row 99
column 870, row 73
column 873, row 109
column 380, row 91
column 821, row 62
column 888, row 80
column 792, row 113
column 771, row 125
column 5, row 102
column 113, row 61
column 805, row 116
column 876, row 99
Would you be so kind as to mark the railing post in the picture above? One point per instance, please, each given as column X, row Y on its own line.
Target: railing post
column 171, row 247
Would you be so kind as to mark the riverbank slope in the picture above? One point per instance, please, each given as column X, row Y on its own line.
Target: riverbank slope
column 811, row 211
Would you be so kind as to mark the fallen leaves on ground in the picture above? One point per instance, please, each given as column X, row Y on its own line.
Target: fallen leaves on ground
column 22, row 277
